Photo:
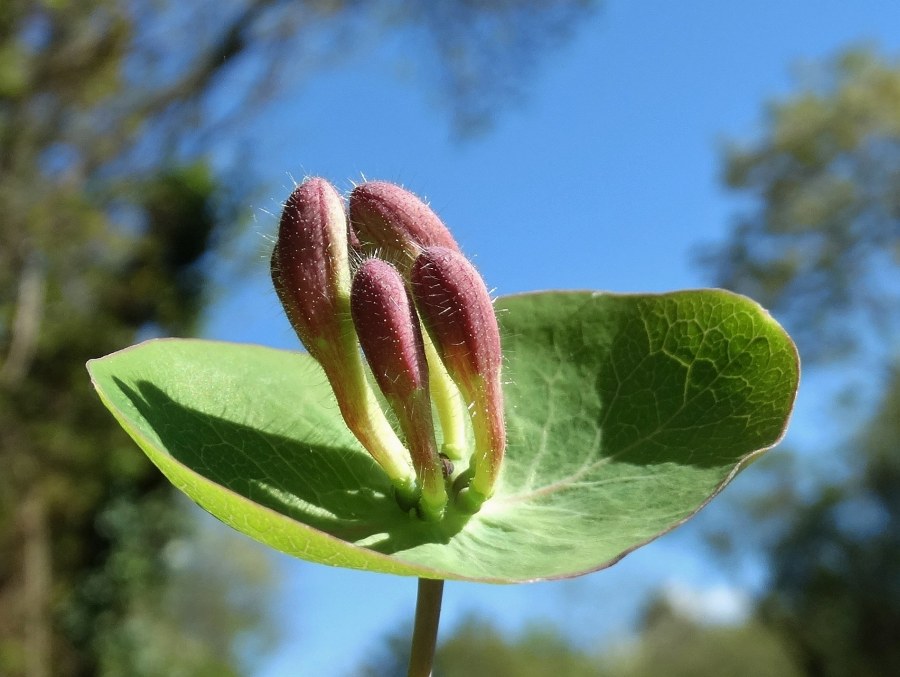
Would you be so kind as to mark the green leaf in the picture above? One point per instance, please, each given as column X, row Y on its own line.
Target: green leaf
column 626, row 414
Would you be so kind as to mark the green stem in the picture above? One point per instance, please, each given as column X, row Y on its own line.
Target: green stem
column 448, row 403
column 428, row 615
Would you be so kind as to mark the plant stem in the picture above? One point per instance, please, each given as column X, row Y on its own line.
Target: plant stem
column 428, row 615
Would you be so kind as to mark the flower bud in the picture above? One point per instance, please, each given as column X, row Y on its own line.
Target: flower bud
column 456, row 308
column 311, row 274
column 394, row 224
column 310, row 266
column 391, row 340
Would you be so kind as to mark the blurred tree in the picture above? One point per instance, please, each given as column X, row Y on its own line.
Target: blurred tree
column 477, row 649
column 673, row 645
column 483, row 51
column 668, row 643
column 391, row 657
column 110, row 216
column 822, row 250
column 835, row 592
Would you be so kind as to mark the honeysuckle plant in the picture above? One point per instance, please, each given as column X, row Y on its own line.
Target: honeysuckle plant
column 429, row 432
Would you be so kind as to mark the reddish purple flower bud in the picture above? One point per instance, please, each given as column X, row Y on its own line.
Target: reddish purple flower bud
column 310, row 265
column 388, row 329
column 394, row 224
column 456, row 308
column 311, row 273
column 391, row 340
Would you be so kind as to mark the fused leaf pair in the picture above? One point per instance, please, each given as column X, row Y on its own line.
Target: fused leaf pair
column 408, row 261
column 624, row 414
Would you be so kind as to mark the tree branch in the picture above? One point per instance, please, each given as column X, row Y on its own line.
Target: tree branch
column 26, row 326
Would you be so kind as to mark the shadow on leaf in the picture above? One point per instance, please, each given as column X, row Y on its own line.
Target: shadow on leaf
column 338, row 490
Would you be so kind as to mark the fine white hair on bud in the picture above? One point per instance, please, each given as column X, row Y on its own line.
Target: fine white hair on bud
column 310, row 264
column 394, row 221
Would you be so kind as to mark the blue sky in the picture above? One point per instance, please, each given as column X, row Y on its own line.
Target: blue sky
column 606, row 177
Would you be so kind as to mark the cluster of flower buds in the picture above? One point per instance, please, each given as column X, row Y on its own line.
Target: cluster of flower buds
column 365, row 283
